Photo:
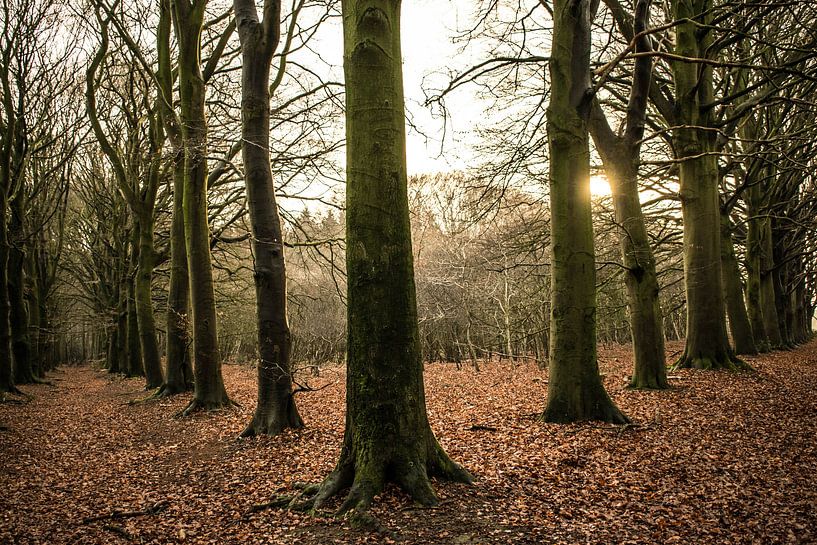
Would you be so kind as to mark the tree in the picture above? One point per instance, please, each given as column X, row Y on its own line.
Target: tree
column 621, row 157
column 276, row 404
column 387, row 435
column 143, row 348
column 209, row 391
column 575, row 390
column 707, row 345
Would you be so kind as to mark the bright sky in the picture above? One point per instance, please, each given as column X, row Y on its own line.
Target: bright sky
column 428, row 27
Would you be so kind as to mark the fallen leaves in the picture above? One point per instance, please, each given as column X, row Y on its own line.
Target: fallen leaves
column 720, row 458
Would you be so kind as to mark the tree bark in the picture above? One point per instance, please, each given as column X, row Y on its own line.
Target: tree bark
column 771, row 322
column 20, row 339
column 575, row 390
column 179, row 369
column 209, row 392
column 739, row 324
column 144, row 303
column 276, row 408
column 6, row 367
column 133, row 353
column 387, row 435
column 754, row 252
column 621, row 158
column 707, row 344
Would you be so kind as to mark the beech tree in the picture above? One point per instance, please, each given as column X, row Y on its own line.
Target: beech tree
column 209, row 391
column 575, row 390
column 259, row 39
column 621, row 157
column 387, row 435
column 141, row 199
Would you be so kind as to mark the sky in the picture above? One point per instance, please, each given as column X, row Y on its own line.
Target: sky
column 427, row 32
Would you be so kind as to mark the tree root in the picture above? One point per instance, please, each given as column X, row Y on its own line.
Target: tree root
column 27, row 398
column 273, row 424
column 706, row 363
column 162, row 392
column 196, row 405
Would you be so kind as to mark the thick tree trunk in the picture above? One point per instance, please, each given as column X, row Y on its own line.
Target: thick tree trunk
column 707, row 344
column 387, row 436
column 133, row 348
column 6, row 367
column 739, row 323
column 111, row 357
column 276, row 409
column 179, row 371
column 122, row 330
column 621, row 158
column 780, row 285
column 144, row 304
column 20, row 339
column 646, row 322
column 575, row 390
column 209, row 391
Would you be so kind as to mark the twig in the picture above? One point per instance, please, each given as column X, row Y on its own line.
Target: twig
column 481, row 427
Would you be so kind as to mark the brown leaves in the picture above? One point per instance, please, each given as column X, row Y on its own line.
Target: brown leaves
column 726, row 458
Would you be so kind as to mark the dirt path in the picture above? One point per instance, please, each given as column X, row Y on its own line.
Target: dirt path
column 721, row 458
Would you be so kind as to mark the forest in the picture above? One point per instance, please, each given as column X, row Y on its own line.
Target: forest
column 455, row 272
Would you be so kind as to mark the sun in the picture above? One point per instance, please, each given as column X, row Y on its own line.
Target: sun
column 599, row 187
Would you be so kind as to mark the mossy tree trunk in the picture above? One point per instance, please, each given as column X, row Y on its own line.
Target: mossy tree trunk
column 707, row 344
column 739, row 324
column 387, row 435
column 276, row 408
column 209, row 391
column 575, row 390
column 20, row 331
column 621, row 157
column 179, row 369
column 6, row 367
column 133, row 349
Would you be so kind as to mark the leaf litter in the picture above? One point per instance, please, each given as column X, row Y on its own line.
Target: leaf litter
column 719, row 458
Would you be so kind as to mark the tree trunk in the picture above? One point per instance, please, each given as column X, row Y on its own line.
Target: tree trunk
column 767, row 293
column 754, row 252
column 6, row 367
column 707, row 344
column 276, row 409
column 20, row 339
column 739, row 323
column 387, row 435
column 209, row 391
column 179, row 371
column 133, row 353
column 144, row 303
column 575, row 390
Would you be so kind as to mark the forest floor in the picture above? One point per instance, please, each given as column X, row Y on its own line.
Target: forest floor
column 719, row 458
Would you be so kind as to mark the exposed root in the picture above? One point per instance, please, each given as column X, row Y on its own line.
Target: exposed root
column 272, row 424
column 197, row 405
column 706, row 363
column 27, row 398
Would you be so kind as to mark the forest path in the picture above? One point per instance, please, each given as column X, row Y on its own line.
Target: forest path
column 720, row 458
